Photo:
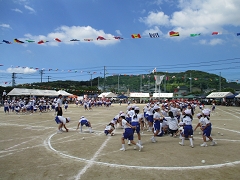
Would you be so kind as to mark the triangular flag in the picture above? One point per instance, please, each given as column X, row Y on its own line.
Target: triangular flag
column 58, row 40
column 18, row 41
column 194, row 35
column 136, row 36
column 172, row 33
column 153, row 35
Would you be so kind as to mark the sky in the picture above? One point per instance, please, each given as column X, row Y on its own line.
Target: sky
column 91, row 57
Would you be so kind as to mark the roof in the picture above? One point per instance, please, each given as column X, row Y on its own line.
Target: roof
column 32, row 92
column 163, row 95
column 139, row 95
column 64, row 93
column 107, row 95
column 219, row 94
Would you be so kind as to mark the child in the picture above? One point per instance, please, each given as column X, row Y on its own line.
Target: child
column 83, row 121
column 109, row 129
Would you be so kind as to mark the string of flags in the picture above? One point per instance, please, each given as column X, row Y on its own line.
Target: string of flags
column 100, row 38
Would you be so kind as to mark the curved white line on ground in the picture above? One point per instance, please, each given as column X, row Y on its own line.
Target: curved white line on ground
column 92, row 161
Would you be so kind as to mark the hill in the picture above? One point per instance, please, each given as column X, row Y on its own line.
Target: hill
column 197, row 82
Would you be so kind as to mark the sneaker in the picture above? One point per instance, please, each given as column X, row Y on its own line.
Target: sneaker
column 153, row 140
column 59, row 131
column 140, row 148
column 192, row 146
column 180, row 143
column 203, row 145
column 134, row 147
column 122, row 149
column 213, row 143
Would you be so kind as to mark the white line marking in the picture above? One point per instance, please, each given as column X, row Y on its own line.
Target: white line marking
column 91, row 162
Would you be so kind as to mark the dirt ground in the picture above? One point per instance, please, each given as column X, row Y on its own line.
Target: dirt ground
column 30, row 148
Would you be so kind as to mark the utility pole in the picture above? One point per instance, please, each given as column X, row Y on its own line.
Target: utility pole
column 41, row 74
column 104, row 78
column 48, row 78
column 220, row 88
column 13, row 79
column 140, row 82
column 118, row 82
column 190, row 82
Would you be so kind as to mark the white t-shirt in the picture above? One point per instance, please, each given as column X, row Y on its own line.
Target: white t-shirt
column 124, row 124
column 59, row 102
column 62, row 119
column 156, row 116
column 137, row 119
column 172, row 123
column 187, row 120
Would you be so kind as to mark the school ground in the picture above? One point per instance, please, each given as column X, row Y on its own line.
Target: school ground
column 30, row 148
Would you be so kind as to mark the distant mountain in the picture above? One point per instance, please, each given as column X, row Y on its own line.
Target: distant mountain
column 196, row 81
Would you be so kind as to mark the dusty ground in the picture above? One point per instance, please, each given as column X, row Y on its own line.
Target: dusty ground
column 31, row 149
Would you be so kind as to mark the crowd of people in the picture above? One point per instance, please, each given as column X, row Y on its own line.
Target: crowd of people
column 161, row 118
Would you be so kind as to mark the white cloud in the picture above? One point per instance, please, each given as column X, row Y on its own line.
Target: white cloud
column 17, row 10
column 66, row 33
column 152, row 30
column 5, row 26
column 216, row 41
column 21, row 70
column 153, row 18
column 198, row 16
column 29, row 8
column 212, row 42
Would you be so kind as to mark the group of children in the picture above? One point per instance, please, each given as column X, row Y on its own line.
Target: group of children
column 32, row 106
column 160, row 119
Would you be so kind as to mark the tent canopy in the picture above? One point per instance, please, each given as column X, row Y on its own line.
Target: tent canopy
column 107, row 95
column 238, row 96
column 139, row 95
column 122, row 96
column 163, row 95
column 32, row 92
column 189, row 96
column 64, row 93
column 219, row 94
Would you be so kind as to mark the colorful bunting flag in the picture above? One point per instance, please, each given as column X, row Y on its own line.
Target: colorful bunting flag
column 238, row 34
column 172, row 33
column 58, row 40
column 136, row 36
column 30, row 41
column 100, row 38
column 215, row 33
column 117, row 37
column 88, row 39
column 194, row 35
column 18, row 41
column 41, row 42
column 153, row 35
column 74, row 40
column 7, row 42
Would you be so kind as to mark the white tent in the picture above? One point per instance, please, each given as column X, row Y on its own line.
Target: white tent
column 107, row 95
column 64, row 93
column 238, row 96
column 219, row 94
column 163, row 95
column 139, row 95
column 32, row 92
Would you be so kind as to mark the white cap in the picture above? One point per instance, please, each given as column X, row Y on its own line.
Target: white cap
column 199, row 114
column 68, row 118
column 136, row 108
column 82, row 117
column 206, row 112
column 156, row 107
column 188, row 111
column 123, row 114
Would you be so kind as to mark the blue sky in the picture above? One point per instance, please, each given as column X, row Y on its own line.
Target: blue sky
column 82, row 19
